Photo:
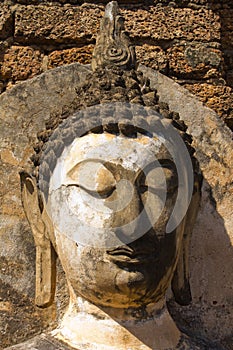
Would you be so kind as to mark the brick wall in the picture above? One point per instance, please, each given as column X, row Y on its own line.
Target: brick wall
column 190, row 41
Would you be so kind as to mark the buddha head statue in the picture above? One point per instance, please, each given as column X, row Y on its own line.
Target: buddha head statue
column 114, row 188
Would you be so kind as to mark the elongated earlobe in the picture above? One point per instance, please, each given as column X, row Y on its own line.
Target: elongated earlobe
column 180, row 282
column 45, row 253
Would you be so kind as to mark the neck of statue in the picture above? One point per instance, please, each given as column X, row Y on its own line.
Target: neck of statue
column 85, row 325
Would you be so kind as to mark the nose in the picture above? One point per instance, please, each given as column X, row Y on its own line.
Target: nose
column 129, row 218
column 126, row 204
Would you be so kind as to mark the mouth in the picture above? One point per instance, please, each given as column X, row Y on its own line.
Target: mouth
column 127, row 255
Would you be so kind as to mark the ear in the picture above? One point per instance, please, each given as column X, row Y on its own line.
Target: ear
column 45, row 254
column 180, row 282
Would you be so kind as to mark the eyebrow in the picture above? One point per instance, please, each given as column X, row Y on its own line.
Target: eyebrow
column 87, row 160
column 164, row 163
column 167, row 163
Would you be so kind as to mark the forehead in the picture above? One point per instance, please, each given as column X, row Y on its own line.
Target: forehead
column 131, row 153
column 109, row 147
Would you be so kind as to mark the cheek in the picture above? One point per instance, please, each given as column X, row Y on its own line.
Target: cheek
column 79, row 263
column 170, row 245
column 168, row 249
column 81, row 217
column 154, row 207
column 159, row 208
column 88, row 209
column 69, row 254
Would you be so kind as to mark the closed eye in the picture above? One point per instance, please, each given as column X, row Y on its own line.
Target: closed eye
column 157, row 178
column 96, row 194
column 92, row 177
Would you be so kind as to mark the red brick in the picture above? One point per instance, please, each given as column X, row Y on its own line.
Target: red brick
column 195, row 61
column 6, row 22
column 20, row 63
column 82, row 55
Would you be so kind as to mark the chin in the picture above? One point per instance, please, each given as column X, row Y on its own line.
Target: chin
column 117, row 280
column 127, row 287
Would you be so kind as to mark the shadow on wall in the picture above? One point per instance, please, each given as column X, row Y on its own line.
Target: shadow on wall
column 211, row 262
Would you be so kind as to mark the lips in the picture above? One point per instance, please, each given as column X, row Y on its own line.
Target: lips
column 131, row 256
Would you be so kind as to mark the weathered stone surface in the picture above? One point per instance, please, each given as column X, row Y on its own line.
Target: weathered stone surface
column 81, row 55
column 152, row 56
column 113, row 46
column 42, row 342
column 217, row 97
column 227, row 28
column 112, row 285
column 188, row 34
column 167, row 23
column 211, row 279
column 195, row 61
column 23, row 112
column 55, row 23
column 80, row 24
column 202, row 315
column 78, row 2
column 20, row 63
column 6, row 22
column 229, row 78
column 211, row 256
column 179, row 3
column 227, row 42
column 20, row 316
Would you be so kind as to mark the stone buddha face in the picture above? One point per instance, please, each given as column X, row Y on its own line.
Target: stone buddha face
column 107, row 190
column 108, row 203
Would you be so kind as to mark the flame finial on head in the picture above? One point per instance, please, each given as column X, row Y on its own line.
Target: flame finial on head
column 113, row 47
